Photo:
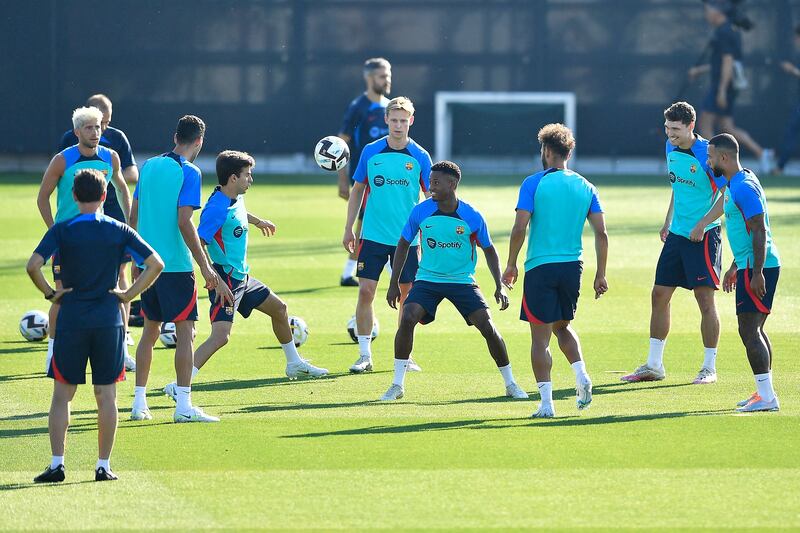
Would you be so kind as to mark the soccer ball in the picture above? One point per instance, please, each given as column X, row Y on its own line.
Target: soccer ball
column 168, row 337
column 33, row 325
column 331, row 153
column 351, row 328
column 299, row 330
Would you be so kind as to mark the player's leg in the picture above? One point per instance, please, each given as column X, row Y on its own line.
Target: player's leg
column 726, row 125
column 482, row 320
column 144, row 358
column 372, row 256
column 52, row 315
column 220, row 334
column 106, row 397
column 759, row 358
column 766, row 340
column 570, row 346
column 349, row 273
column 413, row 313
column 709, row 329
column 542, row 363
column 57, row 424
column 406, row 280
column 706, row 123
column 789, row 140
column 124, row 283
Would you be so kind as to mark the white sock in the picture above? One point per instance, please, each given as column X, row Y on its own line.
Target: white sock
column 710, row 358
column 195, row 370
column 400, row 367
column 140, row 398
column 50, row 342
column 184, row 399
column 290, row 351
column 580, row 372
column 55, row 461
column 655, row 359
column 365, row 345
column 349, row 268
column 546, row 392
column 388, row 267
column 103, row 463
column 764, row 386
column 508, row 377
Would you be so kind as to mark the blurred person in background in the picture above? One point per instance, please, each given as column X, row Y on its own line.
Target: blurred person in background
column 793, row 127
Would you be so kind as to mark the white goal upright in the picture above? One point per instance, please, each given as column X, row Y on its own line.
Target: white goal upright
column 493, row 102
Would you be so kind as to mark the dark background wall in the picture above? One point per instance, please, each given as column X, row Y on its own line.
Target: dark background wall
column 272, row 77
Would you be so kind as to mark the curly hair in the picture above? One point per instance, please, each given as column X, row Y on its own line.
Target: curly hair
column 558, row 138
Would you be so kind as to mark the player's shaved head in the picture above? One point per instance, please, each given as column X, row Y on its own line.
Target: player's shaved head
column 374, row 63
column 231, row 162
column 682, row 112
column 558, row 138
column 100, row 101
column 725, row 142
column 89, row 185
column 447, row 167
column 190, row 128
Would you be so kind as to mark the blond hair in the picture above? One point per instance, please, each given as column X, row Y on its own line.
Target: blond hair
column 82, row 115
column 401, row 102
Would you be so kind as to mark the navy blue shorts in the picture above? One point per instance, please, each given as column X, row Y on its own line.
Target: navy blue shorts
column 102, row 347
column 551, row 292
column 248, row 294
column 56, row 264
column 688, row 264
column 172, row 298
column 746, row 300
column 467, row 298
column 372, row 257
column 710, row 102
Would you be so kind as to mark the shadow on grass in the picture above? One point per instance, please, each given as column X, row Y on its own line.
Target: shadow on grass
column 505, row 423
column 234, row 384
column 31, row 485
column 21, row 377
column 310, row 290
column 30, row 348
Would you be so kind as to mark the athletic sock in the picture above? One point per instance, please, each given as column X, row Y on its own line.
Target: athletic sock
column 195, row 370
column 140, row 398
column 349, row 268
column 50, row 342
column 365, row 345
column 546, row 392
column 290, row 351
column 655, row 358
column 104, row 464
column 710, row 359
column 184, row 399
column 400, row 367
column 55, row 461
column 764, row 386
column 508, row 377
column 581, row 376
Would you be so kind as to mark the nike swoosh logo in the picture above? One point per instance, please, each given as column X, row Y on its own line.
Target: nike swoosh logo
column 428, row 227
column 762, row 380
column 187, row 417
column 376, row 163
column 701, row 278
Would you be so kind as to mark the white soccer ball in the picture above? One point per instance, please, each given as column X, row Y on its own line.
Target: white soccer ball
column 299, row 330
column 33, row 326
column 331, row 153
column 351, row 328
column 167, row 336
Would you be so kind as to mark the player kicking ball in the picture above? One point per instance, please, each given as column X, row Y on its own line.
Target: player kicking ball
column 449, row 229
column 223, row 231
column 756, row 264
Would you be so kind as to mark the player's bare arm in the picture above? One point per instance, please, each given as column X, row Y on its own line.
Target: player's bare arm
column 123, row 194
column 192, row 240
column 356, row 197
column 493, row 262
column 34, row 269
column 516, row 240
column 757, row 228
column 664, row 231
column 344, row 177
column 154, row 265
column 724, row 81
column 50, row 179
column 400, row 256
column 598, row 223
column 266, row 226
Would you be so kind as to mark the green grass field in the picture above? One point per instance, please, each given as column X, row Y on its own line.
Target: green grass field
column 454, row 453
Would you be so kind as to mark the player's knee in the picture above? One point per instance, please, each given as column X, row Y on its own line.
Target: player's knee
column 660, row 295
column 408, row 321
column 366, row 292
column 221, row 338
column 488, row 329
column 748, row 332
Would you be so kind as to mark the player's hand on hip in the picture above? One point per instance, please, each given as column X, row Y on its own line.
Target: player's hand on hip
column 600, row 286
column 729, row 280
column 758, row 285
column 223, row 293
column 349, row 241
column 501, row 297
column 58, row 294
column 123, row 296
column 267, row 227
column 510, row 277
column 663, row 232
column 697, row 233
column 393, row 295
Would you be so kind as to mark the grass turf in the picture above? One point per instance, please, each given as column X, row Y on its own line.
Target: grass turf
column 454, row 453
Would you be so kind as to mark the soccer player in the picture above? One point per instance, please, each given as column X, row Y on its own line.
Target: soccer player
column 556, row 203
column 363, row 123
column 223, row 230
column 727, row 77
column 91, row 247
column 695, row 266
column 116, row 140
column 167, row 194
column 450, row 229
column 58, row 178
column 793, row 126
column 394, row 170
column 756, row 264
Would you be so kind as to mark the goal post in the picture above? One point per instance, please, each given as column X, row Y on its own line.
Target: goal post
column 446, row 101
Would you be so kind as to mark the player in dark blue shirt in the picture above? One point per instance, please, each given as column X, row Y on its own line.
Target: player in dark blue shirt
column 727, row 78
column 364, row 123
column 90, row 326
column 793, row 126
column 116, row 140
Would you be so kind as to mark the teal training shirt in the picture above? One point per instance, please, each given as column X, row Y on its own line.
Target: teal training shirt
column 223, row 227
column 66, row 208
column 394, row 180
column 693, row 184
column 166, row 183
column 559, row 201
column 448, row 241
column 745, row 199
